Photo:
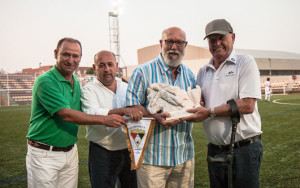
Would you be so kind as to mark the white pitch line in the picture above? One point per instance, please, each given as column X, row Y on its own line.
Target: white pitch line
column 276, row 101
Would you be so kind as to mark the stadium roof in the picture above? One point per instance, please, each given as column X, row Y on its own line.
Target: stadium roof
column 269, row 54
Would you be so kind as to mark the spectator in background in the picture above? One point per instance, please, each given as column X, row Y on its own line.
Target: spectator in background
column 268, row 90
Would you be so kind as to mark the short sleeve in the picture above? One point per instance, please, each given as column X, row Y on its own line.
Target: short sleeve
column 249, row 80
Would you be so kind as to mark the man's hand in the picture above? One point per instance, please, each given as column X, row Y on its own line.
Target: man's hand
column 134, row 113
column 114, row 120
column 200, row 114
column 161, row 118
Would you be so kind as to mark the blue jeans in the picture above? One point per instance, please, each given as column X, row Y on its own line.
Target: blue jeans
column 105, row 167
column 245, row 168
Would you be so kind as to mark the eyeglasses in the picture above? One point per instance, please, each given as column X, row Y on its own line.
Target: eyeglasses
column 178, row 43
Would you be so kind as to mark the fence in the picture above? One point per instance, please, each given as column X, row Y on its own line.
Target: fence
column 283, row 88
column 16, row 89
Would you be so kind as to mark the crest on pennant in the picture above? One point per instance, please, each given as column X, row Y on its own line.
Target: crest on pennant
column 138, row 134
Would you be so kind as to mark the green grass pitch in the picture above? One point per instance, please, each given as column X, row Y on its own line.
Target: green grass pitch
column 281, row 140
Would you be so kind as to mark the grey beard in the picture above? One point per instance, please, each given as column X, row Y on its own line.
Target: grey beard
column 172, row 62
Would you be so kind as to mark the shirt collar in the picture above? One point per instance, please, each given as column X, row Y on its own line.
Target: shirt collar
column 163, row 65
column 231, row 58
column 57, row 74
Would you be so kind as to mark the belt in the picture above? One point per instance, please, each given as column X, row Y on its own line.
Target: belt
column 239, row 144
column 47, row 147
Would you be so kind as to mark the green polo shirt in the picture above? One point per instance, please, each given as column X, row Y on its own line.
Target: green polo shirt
column 51, row 93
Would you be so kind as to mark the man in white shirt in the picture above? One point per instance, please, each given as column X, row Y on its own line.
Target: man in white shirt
column 268, row 90
column 109, row 159
column 230, row 75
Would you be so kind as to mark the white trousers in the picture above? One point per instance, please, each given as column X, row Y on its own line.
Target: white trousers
column 181, row 176
column 51, row 169
column 267, row 94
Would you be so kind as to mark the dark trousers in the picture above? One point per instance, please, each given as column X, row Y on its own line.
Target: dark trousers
column 246, row 166
column 105, row 167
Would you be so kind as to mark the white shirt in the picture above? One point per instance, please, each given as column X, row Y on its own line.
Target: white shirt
column 236, row 78
column 97, row 99
column 267, row 87
column 267, row 84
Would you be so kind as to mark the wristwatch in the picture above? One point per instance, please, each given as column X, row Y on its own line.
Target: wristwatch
column 212, row 112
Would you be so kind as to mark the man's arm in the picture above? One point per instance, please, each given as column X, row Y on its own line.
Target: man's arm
column 135, row 114
column 245, row 106
column 77, row 117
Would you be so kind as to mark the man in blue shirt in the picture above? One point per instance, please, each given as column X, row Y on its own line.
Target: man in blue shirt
column 169, row 157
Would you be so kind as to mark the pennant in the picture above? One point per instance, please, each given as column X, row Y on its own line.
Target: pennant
column 138, row 134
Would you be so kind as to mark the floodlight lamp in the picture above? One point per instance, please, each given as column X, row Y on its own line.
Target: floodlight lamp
column 114, row 14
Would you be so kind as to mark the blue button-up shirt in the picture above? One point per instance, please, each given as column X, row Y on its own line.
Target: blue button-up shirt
column 168, row 146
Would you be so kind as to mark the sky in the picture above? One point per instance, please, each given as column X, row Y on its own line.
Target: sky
column 30, row 29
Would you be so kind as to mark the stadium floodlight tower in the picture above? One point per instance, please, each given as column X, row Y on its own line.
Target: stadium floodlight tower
column 114, row 38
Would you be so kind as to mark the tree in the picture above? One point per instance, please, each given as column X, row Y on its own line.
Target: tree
column 90, row 71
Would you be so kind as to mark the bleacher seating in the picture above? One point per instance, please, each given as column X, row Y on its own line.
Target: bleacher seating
column 282, row 87
column 18, row 88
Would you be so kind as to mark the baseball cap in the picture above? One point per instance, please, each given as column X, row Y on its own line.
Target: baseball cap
column 219, row 26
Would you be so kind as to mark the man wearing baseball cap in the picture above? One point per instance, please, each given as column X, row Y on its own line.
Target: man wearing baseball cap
column 230, row 75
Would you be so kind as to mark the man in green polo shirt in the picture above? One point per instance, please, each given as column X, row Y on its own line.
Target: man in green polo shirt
column 52, row 157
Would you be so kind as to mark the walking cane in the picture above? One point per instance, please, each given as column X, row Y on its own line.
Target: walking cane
column 235, row 117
